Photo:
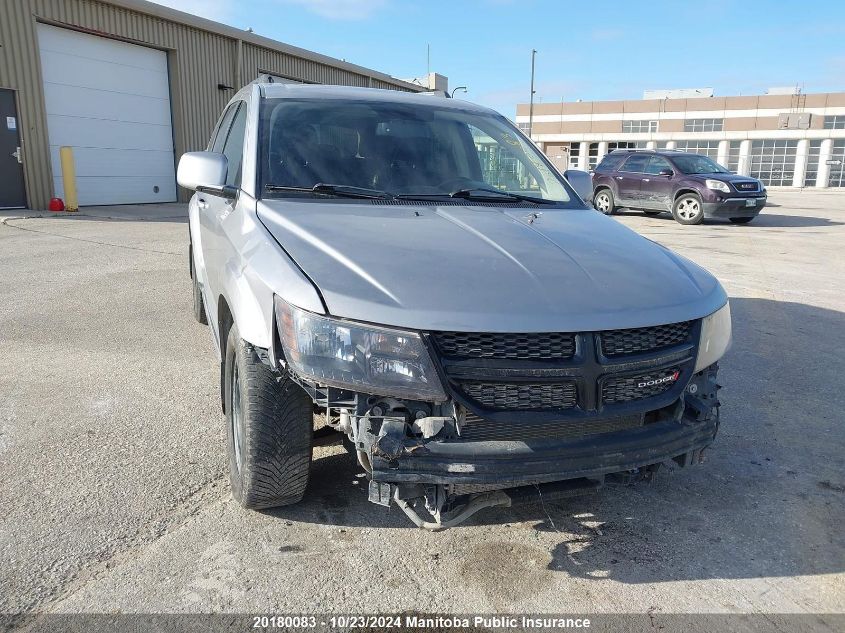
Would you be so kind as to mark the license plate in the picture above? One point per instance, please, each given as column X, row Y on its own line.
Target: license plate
column 751, row 203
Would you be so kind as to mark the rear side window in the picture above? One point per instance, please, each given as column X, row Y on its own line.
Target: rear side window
column 234, row 146
column 636, row 163
column 610, row 162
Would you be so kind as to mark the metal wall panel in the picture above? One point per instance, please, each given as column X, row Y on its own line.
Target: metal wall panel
column 198, row 59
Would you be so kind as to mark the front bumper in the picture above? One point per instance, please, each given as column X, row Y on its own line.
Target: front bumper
column 734, row 207
column 509, row 464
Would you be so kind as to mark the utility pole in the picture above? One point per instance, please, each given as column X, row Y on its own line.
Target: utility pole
column 531, row 106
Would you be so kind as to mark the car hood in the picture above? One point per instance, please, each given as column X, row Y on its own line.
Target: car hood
column 722, row 177
column 482, row 268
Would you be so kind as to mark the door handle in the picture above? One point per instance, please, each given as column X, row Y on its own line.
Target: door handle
column 619, row 178
column 17, row 154
column 646, row 180
column 202, row 204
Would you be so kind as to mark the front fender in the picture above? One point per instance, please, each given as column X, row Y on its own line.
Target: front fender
column 256, row 268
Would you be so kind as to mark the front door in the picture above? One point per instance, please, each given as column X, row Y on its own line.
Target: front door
column 656, row 189
column 12, row 191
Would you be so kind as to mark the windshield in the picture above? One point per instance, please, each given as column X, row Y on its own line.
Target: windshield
column 698, row 164
column 401, row 149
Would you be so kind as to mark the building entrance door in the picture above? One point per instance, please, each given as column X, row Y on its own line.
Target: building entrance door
column 12, row 190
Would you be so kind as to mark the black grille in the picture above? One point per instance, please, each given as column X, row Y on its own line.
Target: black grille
column 522, row 396
column 745, row 186
column 627, row 389
column 644, row 339
column 477, row 429
column 551, row 346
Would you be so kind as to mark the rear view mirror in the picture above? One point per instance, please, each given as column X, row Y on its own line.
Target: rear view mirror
column 582, row 183
column 202, row 170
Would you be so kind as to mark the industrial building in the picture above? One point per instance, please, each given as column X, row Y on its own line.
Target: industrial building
column 129, row 85
column 785, row 138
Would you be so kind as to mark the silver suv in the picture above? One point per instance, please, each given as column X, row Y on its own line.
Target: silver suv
column 408, row 275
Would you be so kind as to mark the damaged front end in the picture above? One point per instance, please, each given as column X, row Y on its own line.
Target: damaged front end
column 476, row 420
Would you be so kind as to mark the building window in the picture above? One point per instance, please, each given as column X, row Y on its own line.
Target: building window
column 733, row 156
column 703, row 125
column 773, row 161
column 837, row 165
column 708, row 148
column 812, row 172
column 627, row 145
column 523, row 126
column 639, row 126
column 834, row 122
column 574, row 155
column 592, row 156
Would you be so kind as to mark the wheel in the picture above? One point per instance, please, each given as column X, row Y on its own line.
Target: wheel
column 652, row 213
column 688, row 209
column 603, row 201
column 199, row 307
column 269, row 426
column 741, row 220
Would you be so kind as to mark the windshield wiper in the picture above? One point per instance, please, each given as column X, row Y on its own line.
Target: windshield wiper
column 341, row 191
column 477, row 194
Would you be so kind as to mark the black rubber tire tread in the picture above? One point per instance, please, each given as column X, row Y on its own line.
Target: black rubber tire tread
column 613, row 206
column 198, row 306
column 697, row 220
column 278, row 428
column 741, row 220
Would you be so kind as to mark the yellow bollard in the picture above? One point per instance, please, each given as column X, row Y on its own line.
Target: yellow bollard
column 69, row 178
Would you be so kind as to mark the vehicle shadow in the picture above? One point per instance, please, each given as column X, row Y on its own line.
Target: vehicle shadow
column 769, row 501
column 765, row 219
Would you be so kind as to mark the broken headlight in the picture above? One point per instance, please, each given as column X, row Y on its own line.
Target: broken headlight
column 356, row 356
column 715, row 337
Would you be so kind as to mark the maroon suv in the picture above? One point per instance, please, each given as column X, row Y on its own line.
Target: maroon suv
column 690, row 186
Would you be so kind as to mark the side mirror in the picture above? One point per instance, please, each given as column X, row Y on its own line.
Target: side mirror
column 666, row 172
column 582, row 183
column 202, row 170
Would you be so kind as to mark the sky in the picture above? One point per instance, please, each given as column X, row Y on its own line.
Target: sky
column 585, row 50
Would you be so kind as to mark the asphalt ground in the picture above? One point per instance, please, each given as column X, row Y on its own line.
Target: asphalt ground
column 114, row 494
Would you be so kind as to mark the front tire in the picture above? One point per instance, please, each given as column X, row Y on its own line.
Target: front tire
column 741, row 220
column 269, row 427
column 688, row 209
column 603, row 201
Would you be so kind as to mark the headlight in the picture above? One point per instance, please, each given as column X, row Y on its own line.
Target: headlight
column 715, row 337
column 718, row 185
column 355, row 356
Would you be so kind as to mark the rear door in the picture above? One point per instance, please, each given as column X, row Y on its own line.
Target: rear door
column 656, row 190
column 629, row 178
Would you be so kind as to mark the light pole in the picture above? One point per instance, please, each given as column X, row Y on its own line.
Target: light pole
column 464, row 88
column 531, row 105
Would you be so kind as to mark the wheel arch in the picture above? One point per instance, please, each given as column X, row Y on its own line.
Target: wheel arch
column 684, row 190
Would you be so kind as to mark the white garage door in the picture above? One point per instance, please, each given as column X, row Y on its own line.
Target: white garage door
column 110, row 101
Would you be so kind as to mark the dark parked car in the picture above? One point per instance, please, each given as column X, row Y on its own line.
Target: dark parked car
column 690, row 186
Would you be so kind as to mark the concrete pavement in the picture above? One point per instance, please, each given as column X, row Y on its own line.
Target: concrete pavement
column 115, row 495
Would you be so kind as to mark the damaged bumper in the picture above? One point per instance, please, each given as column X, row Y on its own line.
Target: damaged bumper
column 511, row 464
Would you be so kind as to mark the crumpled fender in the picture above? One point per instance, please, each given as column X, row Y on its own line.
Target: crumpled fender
column 256, row 269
